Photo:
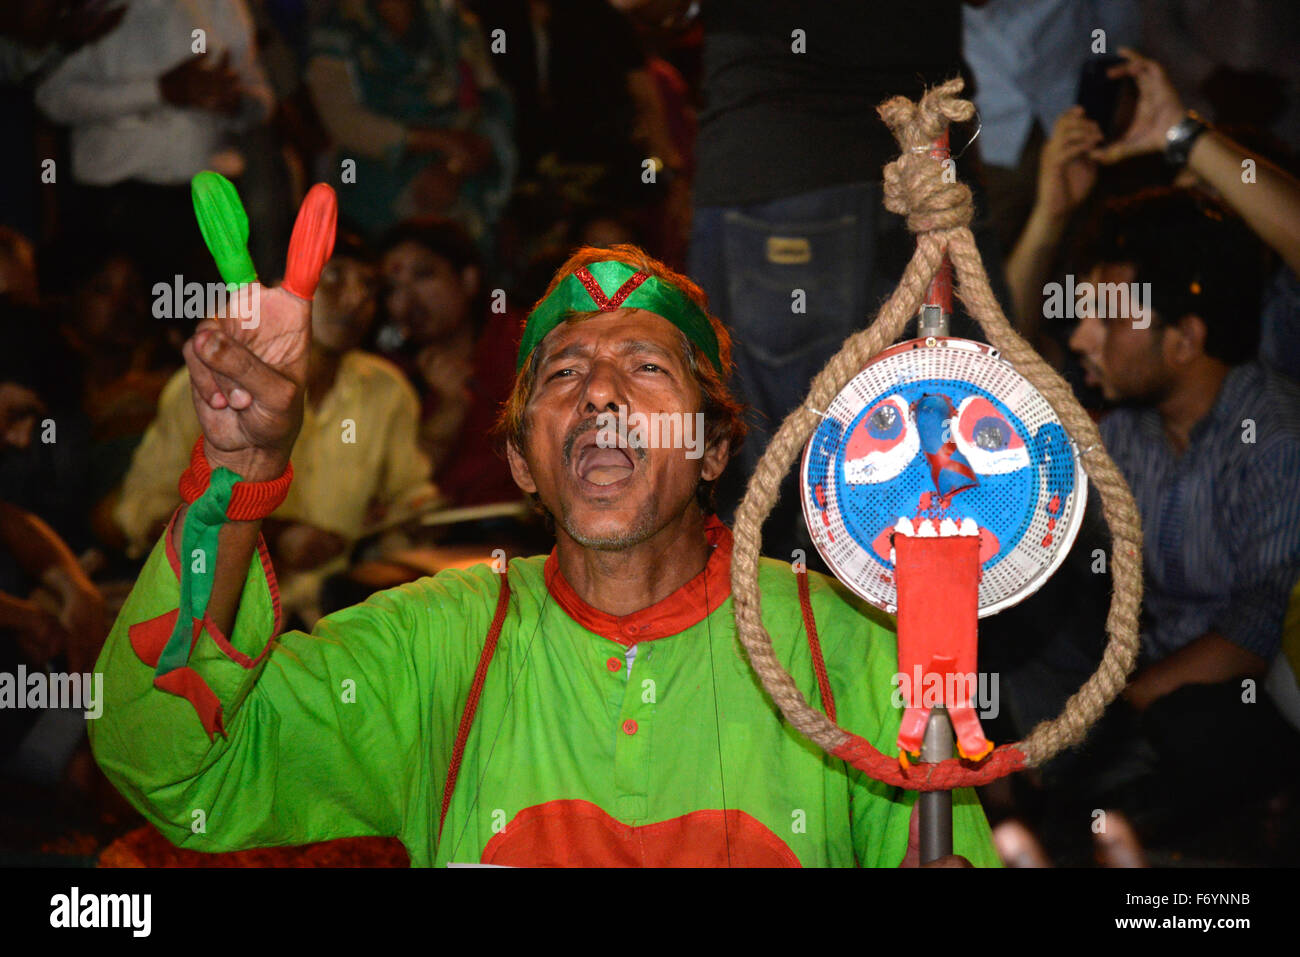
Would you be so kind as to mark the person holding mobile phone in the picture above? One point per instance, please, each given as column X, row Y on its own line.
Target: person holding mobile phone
column 1030, row 58
column 1264, row 195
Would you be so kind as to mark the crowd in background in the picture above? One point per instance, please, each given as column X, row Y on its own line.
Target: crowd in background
column 474, row 144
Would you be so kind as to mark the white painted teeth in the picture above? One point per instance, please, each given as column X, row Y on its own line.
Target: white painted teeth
column 949, row 528
column 936, row 528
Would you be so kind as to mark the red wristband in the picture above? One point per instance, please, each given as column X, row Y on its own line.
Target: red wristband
column 249, row 501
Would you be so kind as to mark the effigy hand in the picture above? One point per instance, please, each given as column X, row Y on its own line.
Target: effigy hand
column 248, row 365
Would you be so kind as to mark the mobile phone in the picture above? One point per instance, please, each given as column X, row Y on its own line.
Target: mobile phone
column 1108, row 101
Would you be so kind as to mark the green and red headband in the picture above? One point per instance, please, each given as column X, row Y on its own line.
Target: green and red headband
column 606, row 286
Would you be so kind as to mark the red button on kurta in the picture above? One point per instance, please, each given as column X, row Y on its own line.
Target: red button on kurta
column 629, row 726
column 614, row 664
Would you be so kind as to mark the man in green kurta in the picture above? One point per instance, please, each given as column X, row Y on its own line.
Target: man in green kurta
column 590, row 707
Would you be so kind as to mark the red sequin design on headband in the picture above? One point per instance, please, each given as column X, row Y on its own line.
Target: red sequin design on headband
column 603, row 302
column 627, row 288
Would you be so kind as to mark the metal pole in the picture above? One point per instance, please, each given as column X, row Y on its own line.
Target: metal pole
column 935, row 824
column 935, row 807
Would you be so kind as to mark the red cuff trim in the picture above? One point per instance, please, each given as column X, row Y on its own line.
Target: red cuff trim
column 194, row 480
column 249, row 501
column 170, row 545
column 220, row 639
column 230, row 651
column 188, row 684
column 272, row 584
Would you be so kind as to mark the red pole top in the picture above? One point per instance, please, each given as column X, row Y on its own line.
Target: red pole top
column 940, row 291
column 939, row 148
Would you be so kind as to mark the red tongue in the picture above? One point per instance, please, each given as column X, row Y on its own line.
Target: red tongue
column 604, row 466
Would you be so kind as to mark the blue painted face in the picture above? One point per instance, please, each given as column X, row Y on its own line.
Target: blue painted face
column 940, row 449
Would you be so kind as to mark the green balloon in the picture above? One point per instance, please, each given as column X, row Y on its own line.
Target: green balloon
column 224, row 225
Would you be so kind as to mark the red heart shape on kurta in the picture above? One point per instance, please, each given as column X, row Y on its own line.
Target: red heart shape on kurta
column 580, row 834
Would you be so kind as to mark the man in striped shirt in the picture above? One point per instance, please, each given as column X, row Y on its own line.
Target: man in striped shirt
column 1209, row 441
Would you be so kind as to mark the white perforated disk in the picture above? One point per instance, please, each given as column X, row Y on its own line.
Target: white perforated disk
column 942, row 428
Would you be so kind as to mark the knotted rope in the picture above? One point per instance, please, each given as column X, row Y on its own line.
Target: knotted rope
column 939, row 213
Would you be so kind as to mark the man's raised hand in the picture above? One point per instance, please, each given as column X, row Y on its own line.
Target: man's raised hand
column 1158, row 108
column 248, row 367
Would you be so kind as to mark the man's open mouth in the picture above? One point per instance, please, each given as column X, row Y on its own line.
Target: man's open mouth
column 599, row 466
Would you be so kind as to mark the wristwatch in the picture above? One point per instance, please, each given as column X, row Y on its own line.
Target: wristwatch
column 1181, row 136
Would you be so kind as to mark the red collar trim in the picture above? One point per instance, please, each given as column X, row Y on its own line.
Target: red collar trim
column 671, row 616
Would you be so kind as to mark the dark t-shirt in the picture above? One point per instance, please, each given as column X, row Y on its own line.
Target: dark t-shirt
column 776, row 123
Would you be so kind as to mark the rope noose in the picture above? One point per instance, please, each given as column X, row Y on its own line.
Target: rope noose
column 939, row 213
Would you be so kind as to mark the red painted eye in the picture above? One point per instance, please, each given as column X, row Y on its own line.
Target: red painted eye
column 882, row 443
column 987, row 438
